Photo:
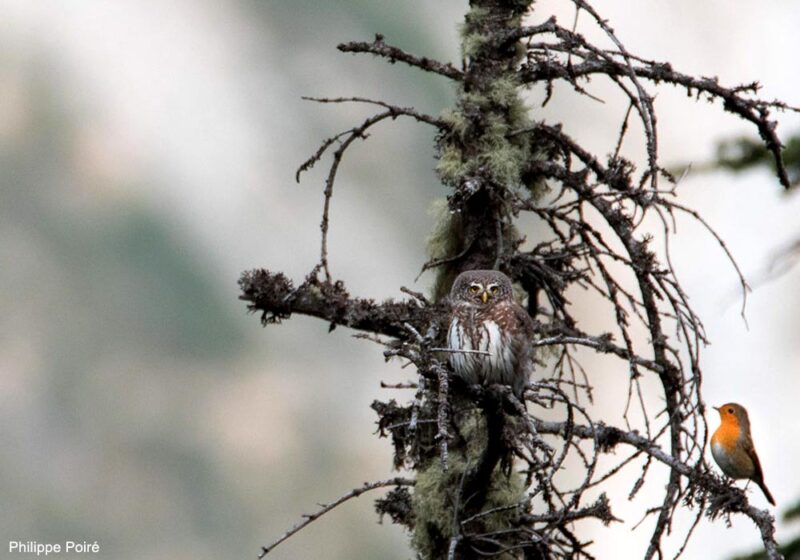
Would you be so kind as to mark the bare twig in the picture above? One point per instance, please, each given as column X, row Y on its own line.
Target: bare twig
column 310, row 518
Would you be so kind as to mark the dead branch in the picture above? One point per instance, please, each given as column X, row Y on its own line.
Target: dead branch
column 379, row 48
column 354, row 493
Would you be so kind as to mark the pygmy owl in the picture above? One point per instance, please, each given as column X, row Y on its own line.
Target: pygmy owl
column 490, row 334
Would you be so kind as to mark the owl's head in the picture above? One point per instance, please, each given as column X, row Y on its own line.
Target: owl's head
column 481, row 287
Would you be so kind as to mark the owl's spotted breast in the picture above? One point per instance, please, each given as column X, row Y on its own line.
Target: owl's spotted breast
column 485, row 352
column 490, row 334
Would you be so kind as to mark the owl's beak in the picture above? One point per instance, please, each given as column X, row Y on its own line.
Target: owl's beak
column 485, row 296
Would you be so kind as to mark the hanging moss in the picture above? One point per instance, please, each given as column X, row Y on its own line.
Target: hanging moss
column 504, row 92
column 502, row 159
column 452, row 168
column 485, row 116
column 459, row 125
column 472, row 40
column 483, row 146
column 446, row 239
column 433, row 501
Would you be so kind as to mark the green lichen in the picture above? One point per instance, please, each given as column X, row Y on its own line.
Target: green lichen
column 455, row 120
column 446, row 239
column 504, row 91
column 472, row 44
column 502, row 158
column 473, row 40
column 483, row 140
column 434, row 502
column 476, row 15
column 451, row 167
column 501, row 155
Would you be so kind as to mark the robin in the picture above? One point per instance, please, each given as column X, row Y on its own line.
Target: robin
column 732, row 447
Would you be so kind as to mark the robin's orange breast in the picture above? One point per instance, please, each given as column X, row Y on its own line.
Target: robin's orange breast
column 726, row 436
column 729, row 454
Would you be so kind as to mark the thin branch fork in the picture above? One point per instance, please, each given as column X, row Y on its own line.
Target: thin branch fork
column 357, row 132
column 601, row 510
column 360, row 131
column 601, row 344
column 395, row 109
column 310, row 518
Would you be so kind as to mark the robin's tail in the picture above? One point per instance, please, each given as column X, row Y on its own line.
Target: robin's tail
column 766, row 491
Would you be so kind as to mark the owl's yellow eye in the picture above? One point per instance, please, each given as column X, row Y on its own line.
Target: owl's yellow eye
column 494, row 290
column 474, row 289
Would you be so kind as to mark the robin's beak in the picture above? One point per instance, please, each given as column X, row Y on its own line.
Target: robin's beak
column 715, row 408
column 485, row 296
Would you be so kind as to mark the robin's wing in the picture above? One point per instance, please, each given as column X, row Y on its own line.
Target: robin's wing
column 758, row 474
column 750, row 449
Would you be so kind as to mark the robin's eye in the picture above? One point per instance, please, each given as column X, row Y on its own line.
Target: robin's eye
column 730, row 411
column 493, row 290
column 474, row 289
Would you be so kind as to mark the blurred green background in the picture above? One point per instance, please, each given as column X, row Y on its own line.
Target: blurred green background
column 147, row 157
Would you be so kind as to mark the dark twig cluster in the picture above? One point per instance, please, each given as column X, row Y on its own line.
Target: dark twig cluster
column 487, row 468
column 550, row 60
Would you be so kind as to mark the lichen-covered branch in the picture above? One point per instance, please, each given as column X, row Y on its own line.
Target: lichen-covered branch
column 393, row 54
column 277, row 298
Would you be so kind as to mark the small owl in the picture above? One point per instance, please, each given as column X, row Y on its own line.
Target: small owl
column 487, row 319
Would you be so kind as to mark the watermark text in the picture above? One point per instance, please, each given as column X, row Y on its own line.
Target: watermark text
column 36, row 548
